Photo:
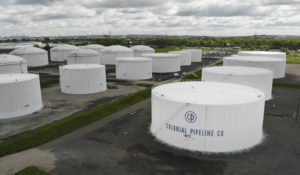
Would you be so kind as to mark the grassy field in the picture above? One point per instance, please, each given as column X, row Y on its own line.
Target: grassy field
column 32, row 171
column 166, row 50
column 57, row 129
column 293, row 58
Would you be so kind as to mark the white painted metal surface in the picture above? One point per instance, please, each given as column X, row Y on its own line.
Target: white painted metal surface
column 164, row 62
column 208, row 116
column 111, row 53
column 258, row 78
column 281, row 55
column 134, row 68
column 139, row 50
column 277, row 65
column 10, row 64
column 82, row 78
column 83, row 56
column 96, row 47
column 196, row 54
column 60, row 52
column 20, row 95
column 34, row 56
column 185, row 57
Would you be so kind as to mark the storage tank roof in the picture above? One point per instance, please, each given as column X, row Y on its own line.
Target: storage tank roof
column 142, row 48
column 11, row 59
column 208, row 93
column 262, row 53
column 93, row 46
column 161, row 55
column 255, row 58
column 237, row 70
column 116, row 48
column 28, row 51
column 134, row 59
column 83, row 66
column 12, row 78
column 83, row 52
column 64, row 47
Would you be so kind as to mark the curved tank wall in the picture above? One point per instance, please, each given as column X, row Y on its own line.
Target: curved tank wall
column 185, row 57
column 139, row 50
column 164, row 62
column 60, row 53
column 34, row 56
column 281, row 55
column 83, row 56
column 110, row 54
column 134, row 68
column 196, row 54
column 208, row 116
column 10, row 64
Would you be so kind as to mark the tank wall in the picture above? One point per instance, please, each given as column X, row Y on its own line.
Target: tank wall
column 13, row 68
column 134, row 70
column 281, row 56
column 59, row 55
column 262, row 82
column 278, row 67
column 86, row 81
column 111, row 58
column 36, row 59
column 165, row 65
column 140, row 53
column 83, row 60
column 216, row 128
column 20, row 98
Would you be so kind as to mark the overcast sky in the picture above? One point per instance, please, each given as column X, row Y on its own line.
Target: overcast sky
column 174, row 17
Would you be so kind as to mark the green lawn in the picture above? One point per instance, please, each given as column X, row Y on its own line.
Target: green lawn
column 31, row 171
column 57, row 129
column 166, row 50
column 293, row 58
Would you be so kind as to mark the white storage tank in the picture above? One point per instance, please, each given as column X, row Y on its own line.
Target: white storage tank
column 60, row 52
column 208, row 116
column 196, row 54
column 164, row 62
column 20, row 95
column 12, row 64
column 258, row 78
column 34, row 56
column 139, row 50
column 277, row 65
column 111, row 53
column 281, row 55
column 134, row 68
column 96, row 47
column 83, row 56
column 82, row 78
column 185, row 57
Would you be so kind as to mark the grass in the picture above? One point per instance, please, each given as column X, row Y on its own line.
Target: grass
column 293, row 58
column 194, row 76
column 286, row 85
column 32, row 171
column 166, row 50
column 111, row 70
column 57, row 129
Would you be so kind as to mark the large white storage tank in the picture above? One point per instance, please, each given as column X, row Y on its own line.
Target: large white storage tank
column 208, row 116
column 258, row 78
column 60, row 52
column 139, row 50
column 82, row 78
column 12, row 64
column 134, row 68
column 164, row 62
column 96, row 47
column 34, row 56
column 20, row 95
column 83, row 56
column 185, row 57
column 281, row 55
column 111, row 53
column 196, row 54
column 277, row 65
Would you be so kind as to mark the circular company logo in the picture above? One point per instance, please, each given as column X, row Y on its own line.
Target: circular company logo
column 190, row 116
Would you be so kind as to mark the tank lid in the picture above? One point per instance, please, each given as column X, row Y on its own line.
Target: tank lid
column 28, row 51
column 237, row 70
column 142, row 48
column 93, row 46
column 12, row 78
column 255, row 58
column 11, row 59
column 208, row 93
column 64, row 47
column 82, row 52
column 134, row 59
column 83, row 66
column 116, row 48
column 161, row 55
column 262, row 53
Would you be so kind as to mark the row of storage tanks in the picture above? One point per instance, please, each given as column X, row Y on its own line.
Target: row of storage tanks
column 84, row 73
column 222, row 113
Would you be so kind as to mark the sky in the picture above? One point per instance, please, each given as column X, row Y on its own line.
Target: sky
column 158, row 17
